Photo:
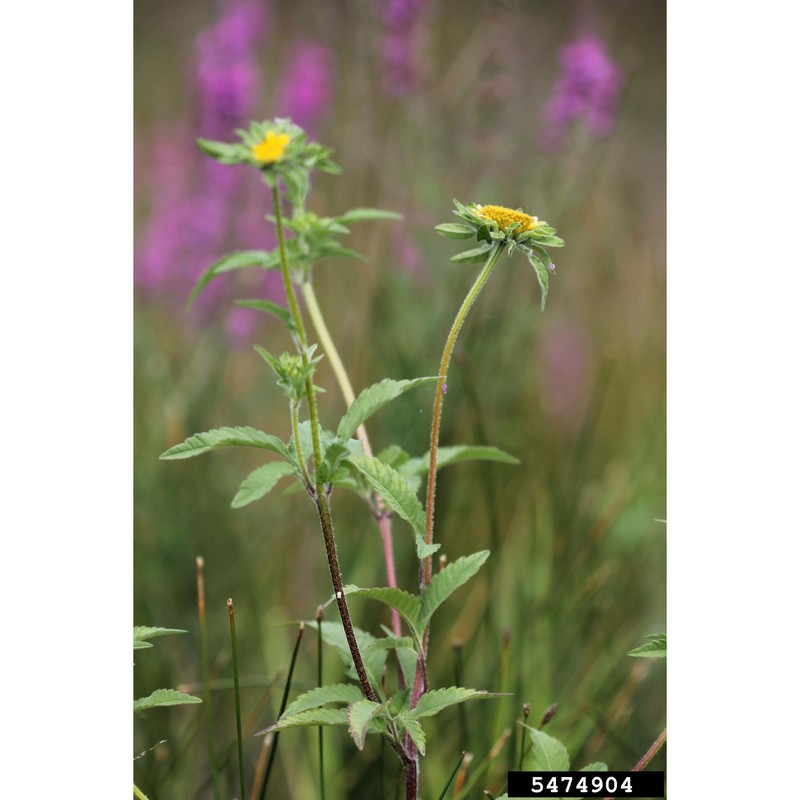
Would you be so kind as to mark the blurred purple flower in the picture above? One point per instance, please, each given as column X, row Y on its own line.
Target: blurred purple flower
column 587, row 89
column 400, row 69
column 195, row 201
column 304, row 92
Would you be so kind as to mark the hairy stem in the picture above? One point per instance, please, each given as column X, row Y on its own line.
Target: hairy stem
column 382, row 516
column 320, row 492
column 438, row 401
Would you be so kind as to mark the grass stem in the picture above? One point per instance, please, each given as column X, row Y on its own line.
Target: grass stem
column 239, row 744
column 201, row 617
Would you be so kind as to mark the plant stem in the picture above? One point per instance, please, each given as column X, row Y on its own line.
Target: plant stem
column 138, row 793
column 320, row 612
column 201, row 617
column 382, row 516
column 284, row 699
column 239, row 745
column 298, row 450
column 447, row 785
column 649, row 755
column 320, row 491
column 438, row 401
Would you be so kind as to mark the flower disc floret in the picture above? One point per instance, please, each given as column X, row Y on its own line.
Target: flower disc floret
column 271, row 148
column 504, row 217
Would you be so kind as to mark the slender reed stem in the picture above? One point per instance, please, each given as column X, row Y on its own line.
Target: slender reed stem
column 649, row 755
column 239, row 745
column 298, row 451
column 472, row 295
column 320, row 491
column 284, row 699
column 320, row 612
column 502, row 684
column 261, row 766
column 201, row 617
column 453, row 775
column 138, row 793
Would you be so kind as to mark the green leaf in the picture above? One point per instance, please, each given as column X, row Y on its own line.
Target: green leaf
column 455, row 230
column 393, row 455
column 414, row 730
column 394, row 490
column 333, row 635
column 226, row 437
column 431, row 703
column 359, row 715
column 655, row 648
column 365, row 214
column 407, row 605
column 222, row 151
column 445, row 456
column 142, row 633
column 243, row 259
column 595, row 766
column 546, row 754
column 317, row 717
column 542, row 274
column 372, row 399
column 335, row 693
column 446, row 581
column 268, row 307
column 260, row 481
column 164, row 697
column 475, row 256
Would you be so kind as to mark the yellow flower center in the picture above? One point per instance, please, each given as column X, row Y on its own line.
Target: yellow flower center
column 505, row 216
column 271, row 149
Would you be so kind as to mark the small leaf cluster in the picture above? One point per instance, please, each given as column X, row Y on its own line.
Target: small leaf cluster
column 313, row 240
column 487, row 231
column 293, row 371
column 297, row 160
column 160, row 697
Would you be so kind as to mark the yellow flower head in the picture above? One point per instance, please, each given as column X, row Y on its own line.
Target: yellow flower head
column 271, row 149
column 505, row 216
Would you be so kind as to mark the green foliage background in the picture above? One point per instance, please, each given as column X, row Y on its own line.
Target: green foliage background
column 577, row 571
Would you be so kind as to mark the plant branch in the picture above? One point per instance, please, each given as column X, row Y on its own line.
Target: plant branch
column 438, row 401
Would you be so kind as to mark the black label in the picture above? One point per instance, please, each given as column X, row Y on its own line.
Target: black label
column 586, row 784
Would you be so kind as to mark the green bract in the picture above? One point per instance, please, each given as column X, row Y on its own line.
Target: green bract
column 495, row 227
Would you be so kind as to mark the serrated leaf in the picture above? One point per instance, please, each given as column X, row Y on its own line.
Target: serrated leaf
column 335, row 693
column 260, row 481
column 431, row 703
column 546, row 754
column 268, row 307
column 407, row 605
column 359, row 715
column 142, row 633
column 243, row 259
column 455, row 454
column 655, row 648
column 455, row 230
column 316, row 716
column 225, row 437
column 365, row 214
column 372, row 399
column 414, row 730
column 475, row 256
column 164, row 697
column 446, row 581
column 391, row 642
column 393, row 489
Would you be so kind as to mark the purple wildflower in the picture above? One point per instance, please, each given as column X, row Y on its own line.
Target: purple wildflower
column 444, row 388
column 587, row 89
column 400, row 19
column 304, row 92
column 195, row 201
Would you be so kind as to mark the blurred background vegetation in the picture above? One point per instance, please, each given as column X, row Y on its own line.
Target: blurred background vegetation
column 557, row 107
